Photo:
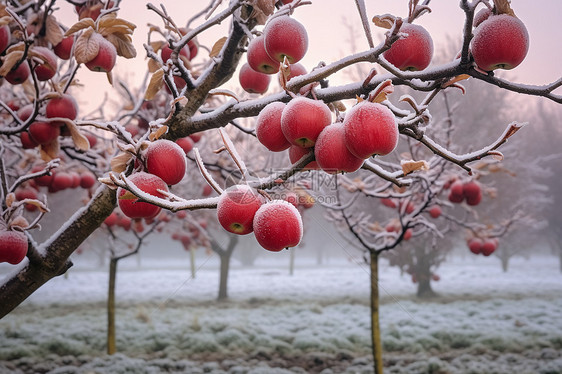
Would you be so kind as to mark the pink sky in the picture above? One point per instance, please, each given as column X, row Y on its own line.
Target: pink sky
column 329, row 38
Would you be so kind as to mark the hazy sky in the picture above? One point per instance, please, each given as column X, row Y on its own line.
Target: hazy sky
column 329, row 37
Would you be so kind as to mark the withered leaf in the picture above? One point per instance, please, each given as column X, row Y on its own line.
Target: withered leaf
column 53, row 31
column 80, row 25
column 217, row 47
column 155, row 84
column 411, row 166
column 80, row 141
column 123, row 45
column 119, row 162
column 128, row 195
column 87, row 46
column 50, row 151
column 158, row 133
column 385, row 21
column 10, row 199
column 10, row 60
column 503, row 7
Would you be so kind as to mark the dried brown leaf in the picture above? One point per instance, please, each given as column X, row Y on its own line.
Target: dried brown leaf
column 386, row 21
column 155, row 84
column 53, row 31
column 87, row 46
column 5, row 20
column 10, row 199
column 123, row 45
column 80, row 141
column 217, row 47
column 19, row 222
column 81, row 25
column 50, row 151
column 503, row 7
column 158, row 133
column 411, row 166
column 153, row 66
column 128, row 195
column 119, row 162
column 9, row 61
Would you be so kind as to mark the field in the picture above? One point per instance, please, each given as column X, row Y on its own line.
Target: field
column 315, row 321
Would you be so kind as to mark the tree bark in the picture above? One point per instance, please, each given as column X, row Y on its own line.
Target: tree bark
column 223, row 281
column 192, row 262
column 54, row 253
column 505, row 263
column 111, row 346
column 375, row 321
column 291, row 261
column 423, row 275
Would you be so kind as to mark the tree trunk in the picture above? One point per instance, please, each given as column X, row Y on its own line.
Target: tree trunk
column 223, row 282
column 111, row 348
column 505, row 263
column 375, row 323
column 423, row 275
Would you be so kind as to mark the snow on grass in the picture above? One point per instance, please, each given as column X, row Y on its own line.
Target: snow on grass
column 317, row 320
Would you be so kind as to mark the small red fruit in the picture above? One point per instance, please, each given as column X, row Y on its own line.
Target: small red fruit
column 488, row 247
column 64, row 106
column 303, row 119
column 435, row 211
column 331, row 152
column 166, row 53
column 408, row 234
column 13, row 246
column 149, row 184
column 106, row 57
column 43, row 132
column 296, row 153
column 19, row 74
column 472, row 192
column 389, row 203
column 258, row 59
column 253, row 81
column 482, row 15
column 61, row 181
column 166, row 159
column 475, row 245
column 268, row 127
column 111, row 220
column 5, row 37
column 64, row 49
column 278, row 225
column 48, row 68
column 27, row 141
column 87, row 179
column 236, row 209
column 370, row 129
column 185, row 143
column 285, row 37
column 500, row 42
column 414, row 52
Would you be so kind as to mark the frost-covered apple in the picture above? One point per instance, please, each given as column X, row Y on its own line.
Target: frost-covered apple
column 258, row 59
column 500, row 42
column 370, row 129
column 13, row 246
column 185, row 143
column 87, row 179
column 285, row 37
column 27, row 141
column 166, row 159
column 303, row 119
column 166, row 53
column 149, row 184
column 413, row 52
column 268, row 127
column 64, row 106
column 435, row 211
column 5, row 37
column 296, row 153
column 331, row 152
column 61, row 181
column 48, row 68
column 472, row 192
column 64, row 49
column 19, row 74
column 475, row 245
column 278, row 225
column 456, row 194
column 488, row 247
column 43, row 132
column 104, row 61
column 236, row 208
column 253, row 81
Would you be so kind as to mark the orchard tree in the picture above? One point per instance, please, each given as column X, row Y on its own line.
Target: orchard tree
column 140, row 176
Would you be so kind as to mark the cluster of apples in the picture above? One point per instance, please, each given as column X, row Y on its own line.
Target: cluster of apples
column 44, row 132
column 500, row 41
column 305, row 125
column 283, row 37
column 484, row 246
column 13, row 245
column 55, row 182
column 165, row 164
column 469, row 191
column 276, row 224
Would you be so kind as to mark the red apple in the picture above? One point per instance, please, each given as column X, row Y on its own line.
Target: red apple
column 482, row 15
column 296, row 153
column 125, row 223
column 471, row 190
column 45, row 180
column 488, row 247
column 413, row 52
column 253, row 81
column 475, row 245
column 43, row 132
column 207, row 190
column 5, row 37
column 268, row 127
column 278, row 225
column 331, row 152
column 285, row 37
column 111, row 220
column 27, row 141
column 236, row 208
column 389, row 203
column 64, row 106
column 370, row 129
column 500, row 42
column 258, row 59
column 13, row 246
column 166, row 53
column 185, row 143
column 64, row 49
column 75, row 179
column 303, row 119
column 25, row 112
column 435, row 211
column 87, row 179
column 105, row 59
column 408, row 234
column 48, row 68
column 166, row 159
column 456, row 194
column 196, row 137
column 19, row 74
column 27, row 193
column 61, row 181
column 149, row 184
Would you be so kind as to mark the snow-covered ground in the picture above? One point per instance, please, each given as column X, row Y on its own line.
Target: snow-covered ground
column 315, row 321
